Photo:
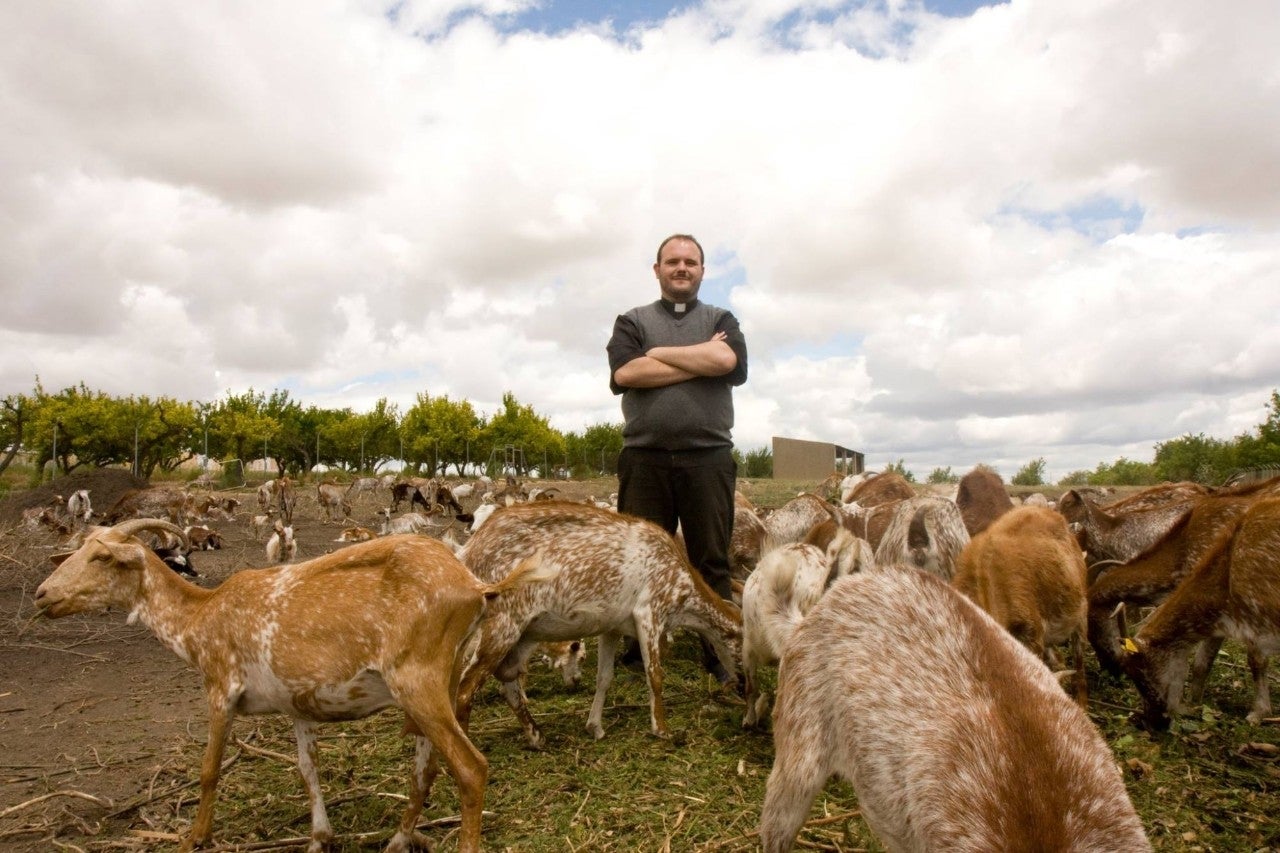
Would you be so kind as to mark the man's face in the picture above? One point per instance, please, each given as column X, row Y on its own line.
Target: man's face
column 679, row 271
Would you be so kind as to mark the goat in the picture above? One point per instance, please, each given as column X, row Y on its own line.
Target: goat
column 881, row 488
column 1232, row 591
column 926, row 532
column 263, row 523
column 333, row 500
column 286, row 498
column 267, row 495
column 281, row 547
column 410, row 522
column 360, row 485
column 966, row 744
column 620, row 575
column 202, row 538
column 791, row 521
column 565, row 658
column 1027, row 572
column 1149, row 577
column 746, row 542
column 150, row 502
column 355, row 534
column 982, row 498
column 339, row 637
column 785, row 585
column 79, row 506
column 1127, row 527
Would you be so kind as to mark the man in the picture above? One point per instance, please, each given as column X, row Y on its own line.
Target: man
column 675, row 362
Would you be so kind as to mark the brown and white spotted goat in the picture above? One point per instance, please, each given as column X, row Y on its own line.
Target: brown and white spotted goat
column 964, row 743
column 339, row 637
column 1233, row 591
column 618, row 575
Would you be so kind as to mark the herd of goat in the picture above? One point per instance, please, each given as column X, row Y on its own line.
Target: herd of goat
column 917, row 636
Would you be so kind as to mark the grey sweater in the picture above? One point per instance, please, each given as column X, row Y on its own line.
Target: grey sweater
column 692, row 415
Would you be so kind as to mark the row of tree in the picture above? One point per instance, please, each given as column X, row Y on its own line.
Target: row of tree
column 80, row 427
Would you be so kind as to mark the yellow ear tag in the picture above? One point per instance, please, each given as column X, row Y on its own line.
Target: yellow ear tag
column 1130, row 645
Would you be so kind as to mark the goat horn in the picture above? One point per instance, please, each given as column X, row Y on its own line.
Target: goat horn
column 137, row 525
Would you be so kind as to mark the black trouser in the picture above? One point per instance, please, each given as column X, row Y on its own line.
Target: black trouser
column 692, row 487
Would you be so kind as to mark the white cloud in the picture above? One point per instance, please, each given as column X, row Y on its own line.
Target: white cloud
column 1045, row 230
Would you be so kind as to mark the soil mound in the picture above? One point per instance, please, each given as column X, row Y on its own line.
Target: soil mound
column 105, row 486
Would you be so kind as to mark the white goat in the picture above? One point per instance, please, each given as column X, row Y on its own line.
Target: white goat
column 79, row 507
column 785, row 585
column 963, row 743
column 397, row 616
column 281, row 547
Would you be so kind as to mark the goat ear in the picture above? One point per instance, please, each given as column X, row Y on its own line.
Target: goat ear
column 59, row 559
column 127, row 553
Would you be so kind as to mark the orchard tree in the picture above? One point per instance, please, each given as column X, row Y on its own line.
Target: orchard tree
column 14, row 412
column 900, row 469
column 439, row 432
column 240, row 427
column 1197, row 458
column 595, row 450
column 518, row 426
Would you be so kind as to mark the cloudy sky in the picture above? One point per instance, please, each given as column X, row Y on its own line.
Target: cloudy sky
column 953, row 232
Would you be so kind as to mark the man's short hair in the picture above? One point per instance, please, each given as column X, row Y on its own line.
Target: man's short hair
column 702, row 258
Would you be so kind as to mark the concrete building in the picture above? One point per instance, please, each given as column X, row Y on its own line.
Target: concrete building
column 797, row 459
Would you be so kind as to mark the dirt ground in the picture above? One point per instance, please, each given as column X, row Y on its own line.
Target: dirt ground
column 95, row 713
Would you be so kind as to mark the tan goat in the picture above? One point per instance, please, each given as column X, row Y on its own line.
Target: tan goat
column 1026, row 570
column 962, row 743
column 339, row 637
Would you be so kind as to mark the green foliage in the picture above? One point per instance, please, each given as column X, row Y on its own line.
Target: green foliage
column 756, row 463
column 939, row 476
column 519, row 426
column 438, row 432
column 901, row 469
column 14, row 412
column 240, row 427
column 1031, row 474
column 78, row 427
column 1123, row 472
column 1075, row 478
column 594, row 451
column 1196, row 458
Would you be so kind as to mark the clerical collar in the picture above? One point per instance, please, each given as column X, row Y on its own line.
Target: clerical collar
column 678, row 309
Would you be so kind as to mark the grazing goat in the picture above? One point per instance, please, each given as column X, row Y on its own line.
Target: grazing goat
column 620, row 575
column 565, row 658
column 926, row 532
column 1232, row 591
column 786, row 584
column 881, row 488
column 360, row 485
column 791, row 521
column 1128, row 527
column 281, row 547
column 964, row 744
column 747, row 541
column 982, row 498
column 333, row 500
column 1027, row 572
column 336, row 638
column 267, row 495
column 1148, row 578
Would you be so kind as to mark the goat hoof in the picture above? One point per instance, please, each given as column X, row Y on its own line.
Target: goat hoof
column 597, row 732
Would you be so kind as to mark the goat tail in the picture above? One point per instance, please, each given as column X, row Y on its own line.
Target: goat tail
column 528, row 571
